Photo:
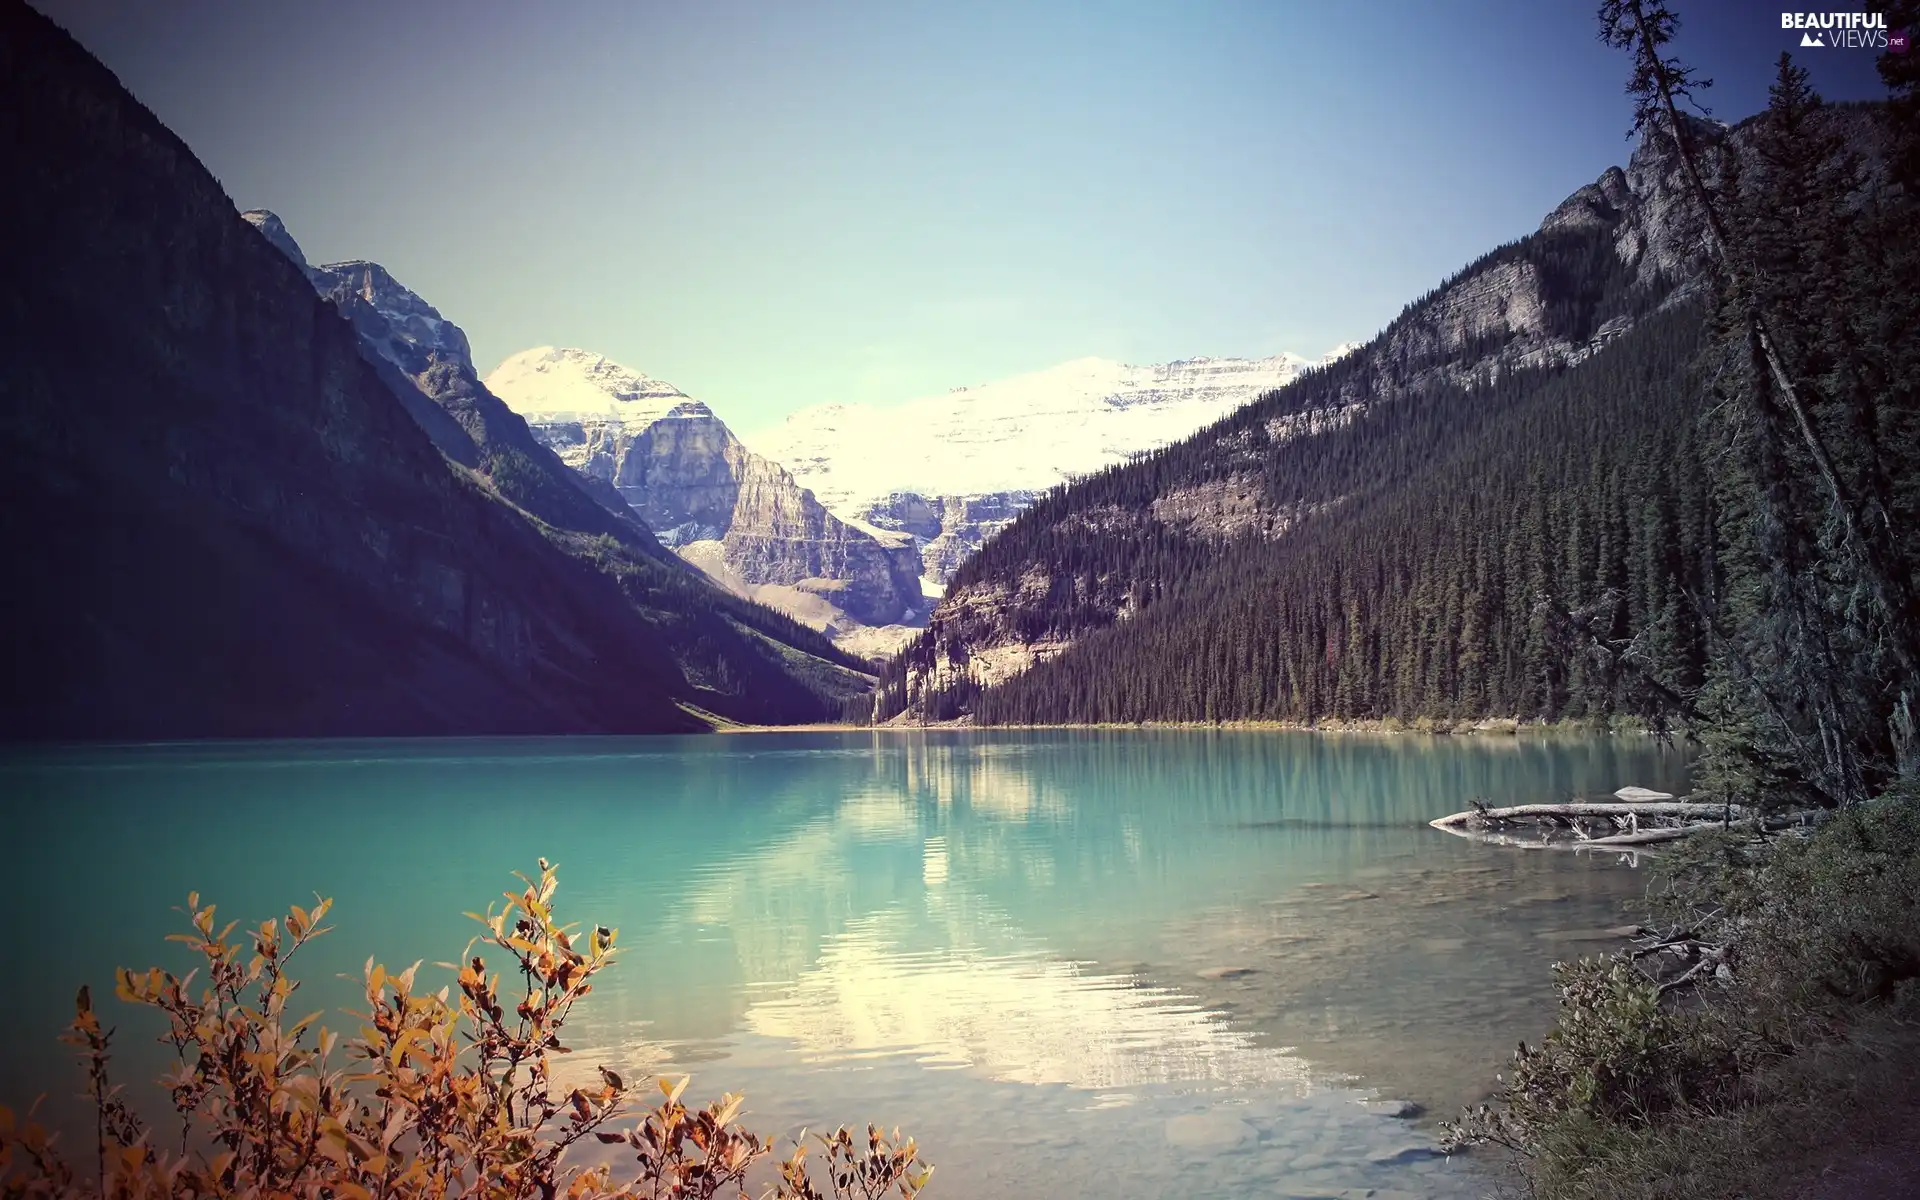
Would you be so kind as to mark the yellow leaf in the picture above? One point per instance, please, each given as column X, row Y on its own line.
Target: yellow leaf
column 400, row 1044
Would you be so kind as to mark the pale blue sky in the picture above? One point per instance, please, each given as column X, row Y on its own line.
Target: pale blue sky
column 779, row 204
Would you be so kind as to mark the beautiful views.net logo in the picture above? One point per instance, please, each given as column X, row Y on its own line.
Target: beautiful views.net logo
column 1836, row 30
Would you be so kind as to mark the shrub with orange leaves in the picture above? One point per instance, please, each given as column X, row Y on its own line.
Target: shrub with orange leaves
column 444, row 1094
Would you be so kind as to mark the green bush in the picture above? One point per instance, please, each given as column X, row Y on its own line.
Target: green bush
column 1767, row 1042
column 1830, row 923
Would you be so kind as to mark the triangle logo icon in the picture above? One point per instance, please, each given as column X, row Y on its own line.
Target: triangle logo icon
column 1812, row 39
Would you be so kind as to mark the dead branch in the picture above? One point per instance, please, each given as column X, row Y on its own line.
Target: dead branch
column 1576, row 809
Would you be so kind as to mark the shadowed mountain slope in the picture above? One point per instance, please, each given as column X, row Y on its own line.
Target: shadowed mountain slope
column 221, row 520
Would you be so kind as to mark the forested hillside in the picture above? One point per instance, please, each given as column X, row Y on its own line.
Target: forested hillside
column 1506, row 504
column 1454, row 531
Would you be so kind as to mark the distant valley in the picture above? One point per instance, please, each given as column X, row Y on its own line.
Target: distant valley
column 852, row 518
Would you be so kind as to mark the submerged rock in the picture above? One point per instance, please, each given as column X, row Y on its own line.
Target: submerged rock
column 1408, row 1153
column 1228, row 972
column 1405, row 1110
column 1208, row 1131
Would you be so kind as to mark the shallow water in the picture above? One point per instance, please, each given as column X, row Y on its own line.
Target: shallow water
column 1168, row 961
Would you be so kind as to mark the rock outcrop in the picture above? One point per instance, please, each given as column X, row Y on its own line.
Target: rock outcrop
column 947, row 529
column 738, row 516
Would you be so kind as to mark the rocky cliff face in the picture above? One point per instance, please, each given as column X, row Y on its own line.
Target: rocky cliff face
column 947, row 530
column 395, row 360
column 410, row 333
column 735, row 514
column 1614, row 252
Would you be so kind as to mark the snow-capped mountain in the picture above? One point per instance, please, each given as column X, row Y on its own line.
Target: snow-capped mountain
column 548, row 383
column 737, row 516
column 953, row 469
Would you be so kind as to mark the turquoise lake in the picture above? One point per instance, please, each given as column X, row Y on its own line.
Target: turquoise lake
column 1168, row 963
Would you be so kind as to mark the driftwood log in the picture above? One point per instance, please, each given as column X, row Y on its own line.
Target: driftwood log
column 1612, row 810
column 1599, row 825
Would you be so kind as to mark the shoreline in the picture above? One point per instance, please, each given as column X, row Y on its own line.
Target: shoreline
column 1482, row 727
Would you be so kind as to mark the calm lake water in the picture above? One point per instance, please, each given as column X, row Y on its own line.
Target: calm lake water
column 1168, row 962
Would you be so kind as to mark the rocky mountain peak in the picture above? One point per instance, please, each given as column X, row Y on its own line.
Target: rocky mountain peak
column 415, row 333
column 275, row 231
column 1647, row 205
column 691, row 410
column 551, row 382
column 1600, row 203
column 1612, row 258
column 735, row 515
